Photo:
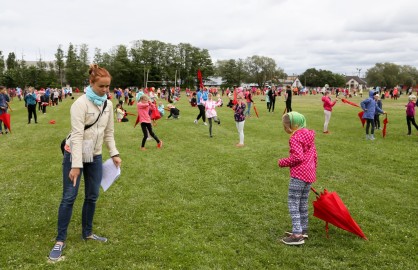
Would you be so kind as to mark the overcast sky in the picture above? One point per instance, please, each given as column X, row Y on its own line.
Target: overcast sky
column 338, row 35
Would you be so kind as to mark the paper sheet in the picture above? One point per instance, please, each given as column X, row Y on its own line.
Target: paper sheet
column 110, row 174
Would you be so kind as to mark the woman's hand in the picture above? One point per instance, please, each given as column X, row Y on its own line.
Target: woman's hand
column 73, row 175
column 117, row 161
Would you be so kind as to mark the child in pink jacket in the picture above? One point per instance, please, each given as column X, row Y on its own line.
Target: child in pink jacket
column 410, row 113
column 143, row 107
column 302, row 161
column 210, row 111
column 328, row 104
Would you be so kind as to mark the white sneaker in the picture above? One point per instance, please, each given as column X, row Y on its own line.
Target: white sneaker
column 195, row 121
column 205, row 123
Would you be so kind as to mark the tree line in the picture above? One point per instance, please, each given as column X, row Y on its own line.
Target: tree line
column 155, row 63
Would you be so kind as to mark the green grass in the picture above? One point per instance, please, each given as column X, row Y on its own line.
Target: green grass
column 201, row 203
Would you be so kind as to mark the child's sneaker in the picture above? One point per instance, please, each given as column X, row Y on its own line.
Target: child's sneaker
column 160, row 144
column 294, row 240
column 304, row 234
column 205, row 123
column 195, row 121
column 96, row 238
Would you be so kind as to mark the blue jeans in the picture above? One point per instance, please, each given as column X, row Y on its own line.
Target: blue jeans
column 248, row 112
column 92, row 179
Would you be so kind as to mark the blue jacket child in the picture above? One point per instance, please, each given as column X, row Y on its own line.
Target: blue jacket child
column 370, row 107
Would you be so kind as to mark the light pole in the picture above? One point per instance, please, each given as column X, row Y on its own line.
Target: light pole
column 359, row 70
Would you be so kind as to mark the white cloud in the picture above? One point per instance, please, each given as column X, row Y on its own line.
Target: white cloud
column 325, row 34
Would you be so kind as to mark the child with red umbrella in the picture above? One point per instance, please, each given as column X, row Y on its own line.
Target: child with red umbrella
column 4, row 117
column 302, row 162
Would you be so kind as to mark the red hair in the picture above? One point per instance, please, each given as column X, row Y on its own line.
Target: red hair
column 97, row 72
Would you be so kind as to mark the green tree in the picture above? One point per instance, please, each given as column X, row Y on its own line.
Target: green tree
column 261, row 69
column 408, row 76
column 60, row 64
column 83, row 65
column 121, row 68
column 2, row 68
column 384, row 75
column 71, row 65
column 314, row 78
column 11, row 62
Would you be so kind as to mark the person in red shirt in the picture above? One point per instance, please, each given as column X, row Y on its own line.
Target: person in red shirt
column 328, row 104
column 302, row 161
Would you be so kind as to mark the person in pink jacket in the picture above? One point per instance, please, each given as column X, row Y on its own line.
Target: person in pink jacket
column 303, row 161
column 143, row 107
column 328, row 104
column 410, row 113
column 210, row 111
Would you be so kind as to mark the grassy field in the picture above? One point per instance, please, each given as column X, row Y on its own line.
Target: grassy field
column 202, row 203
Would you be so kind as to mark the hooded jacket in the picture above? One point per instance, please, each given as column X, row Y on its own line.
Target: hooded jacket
column 369, row 107
column 84, row 112
column 303, row 159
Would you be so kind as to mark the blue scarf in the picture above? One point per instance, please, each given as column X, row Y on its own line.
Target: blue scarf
column 93, row 97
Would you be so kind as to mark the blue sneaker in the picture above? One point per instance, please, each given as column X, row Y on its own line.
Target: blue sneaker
column 96, row 238
column 56, row 252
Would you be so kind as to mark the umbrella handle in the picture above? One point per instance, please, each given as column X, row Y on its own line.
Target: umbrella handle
column 314, row 191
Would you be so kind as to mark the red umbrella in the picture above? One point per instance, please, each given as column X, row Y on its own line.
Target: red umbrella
column 385, row 122
column 137, row 121
column 330, row 208
column 360, row 115
column 255, row 110
column 235, row 101
column 349, row 102
column 5, row 117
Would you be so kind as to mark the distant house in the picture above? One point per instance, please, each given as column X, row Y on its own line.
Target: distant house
column 213, row 81
column 355, row 82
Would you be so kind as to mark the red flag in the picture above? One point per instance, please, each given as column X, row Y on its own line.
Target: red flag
column 5, row 117
column 235, row 101
column 199, row 77
column 360, row 115
column 385, row 122
column 349, row 102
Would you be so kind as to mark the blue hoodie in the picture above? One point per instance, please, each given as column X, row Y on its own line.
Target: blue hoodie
column 369, row 107
column 201, row 94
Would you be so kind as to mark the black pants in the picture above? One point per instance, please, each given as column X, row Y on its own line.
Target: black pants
column 370, row 123
column 272, row 103
column 376, row 121
column 288, row 105
column 32, row 111
column 410, row 120
column 210, row 123
column 201, row 113
column 145, row 127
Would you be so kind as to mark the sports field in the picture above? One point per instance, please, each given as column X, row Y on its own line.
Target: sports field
column 202, row 203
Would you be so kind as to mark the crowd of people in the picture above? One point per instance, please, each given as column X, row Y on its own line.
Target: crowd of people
column 82, row 148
